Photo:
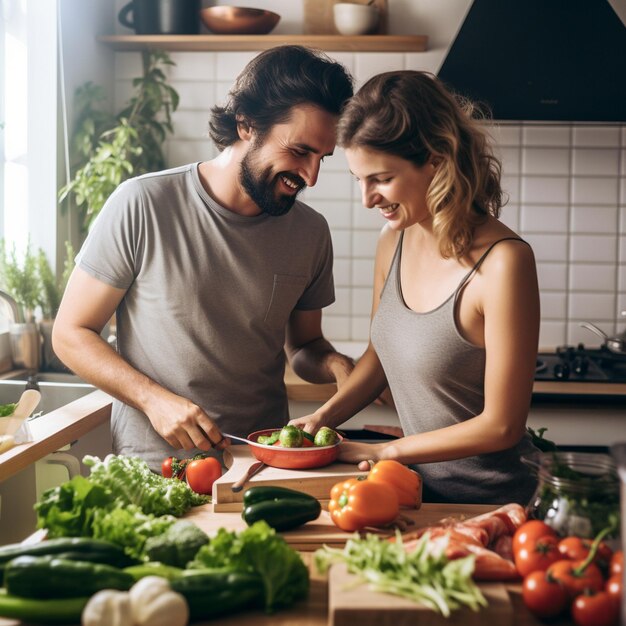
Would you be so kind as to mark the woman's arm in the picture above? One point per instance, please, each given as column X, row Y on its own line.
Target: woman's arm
column 509, row 303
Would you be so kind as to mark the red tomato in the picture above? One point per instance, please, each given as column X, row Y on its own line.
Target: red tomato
column 595, row 610
column 576, row 582
column 202, row 473
column 577, row 549
column 543, row 595
column 166, row 467
column 614, row 587
column 617, row 563
column 537, row 555
column 529, row 532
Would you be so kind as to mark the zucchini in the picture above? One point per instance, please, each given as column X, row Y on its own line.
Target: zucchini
column 46, row 577
column 283, row 514
column 56, row 611
column 210, row 593
column 61, row 544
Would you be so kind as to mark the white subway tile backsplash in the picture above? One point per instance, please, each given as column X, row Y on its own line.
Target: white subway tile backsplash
column 335, row 163
column 342, row 304
column 331, row 186
column 594, row 248
column 337, row 328
column 361, row 301
column 544, row 135
column 505, row 135
column 510, row 216
column 594, row 219
column 596, row 277
column 510, row 160
column 595, row 162
column 548, row 247
column 342, row 243
column 196, row 67
column 368, row 64
column 552, row 334
column 546, row 161
column 622, row 160
column 364, row 243
column 362, row 272
column 127, row 65
column 180, row 151
column 363, row 218
column 577, row 334
column 511, row 186
column 553, row 305
column 228, row 65
column 544, row 219
column 552, row 276
column 342, row 272
column 621, row 277
column 595, row 136
column 360, row 328
column 592, row 306
column 198, row 95
column 336, row 212
column 191, row 124
column 545, row 190
column 595, row 190
column 622, row 247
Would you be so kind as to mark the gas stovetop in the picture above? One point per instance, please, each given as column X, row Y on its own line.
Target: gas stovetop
column 580, row 364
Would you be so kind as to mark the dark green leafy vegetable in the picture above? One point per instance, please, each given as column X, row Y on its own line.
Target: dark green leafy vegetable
column 539, row 441
column 177, row 545
column 259, row 550
column 7, row 409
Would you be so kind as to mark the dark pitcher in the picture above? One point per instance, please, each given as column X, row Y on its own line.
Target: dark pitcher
column 161, row 17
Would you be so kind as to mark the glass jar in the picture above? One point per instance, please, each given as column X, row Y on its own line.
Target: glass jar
column 577, row 493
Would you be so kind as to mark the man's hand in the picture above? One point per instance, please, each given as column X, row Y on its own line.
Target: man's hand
column 309, row 423
column 340, row 367
column 183, row 424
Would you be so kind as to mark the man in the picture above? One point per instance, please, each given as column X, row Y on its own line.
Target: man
column 214, row 270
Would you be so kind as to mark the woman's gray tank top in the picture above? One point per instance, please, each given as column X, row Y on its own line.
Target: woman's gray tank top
column 437, row 380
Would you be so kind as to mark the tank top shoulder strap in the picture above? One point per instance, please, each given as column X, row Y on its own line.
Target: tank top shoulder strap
column 478, row 263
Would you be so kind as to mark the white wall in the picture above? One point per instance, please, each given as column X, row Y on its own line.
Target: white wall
column 567, row 183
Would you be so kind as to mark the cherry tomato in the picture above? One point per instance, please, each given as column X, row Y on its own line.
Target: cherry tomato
column 537, row 555
column 202, row 473
column 576, row 549
column 614, row 587
column 617, row 563
column 576, row 582
column 543, row 595
column 166, row 467
column 529, row 532
column 598, row 609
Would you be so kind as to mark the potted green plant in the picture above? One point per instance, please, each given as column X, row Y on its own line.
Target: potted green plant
column 108, row 149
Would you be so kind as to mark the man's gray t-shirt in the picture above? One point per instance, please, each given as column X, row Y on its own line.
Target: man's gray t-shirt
column 209, row 294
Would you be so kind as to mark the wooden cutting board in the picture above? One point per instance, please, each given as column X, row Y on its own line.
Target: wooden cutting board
column 349, row 604
column 316, row 482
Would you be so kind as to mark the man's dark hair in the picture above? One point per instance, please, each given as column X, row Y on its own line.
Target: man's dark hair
column 272, row 84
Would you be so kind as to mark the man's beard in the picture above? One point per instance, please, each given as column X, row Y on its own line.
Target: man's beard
column 260, row 185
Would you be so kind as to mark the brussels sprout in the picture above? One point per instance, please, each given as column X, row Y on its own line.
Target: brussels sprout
column 325, row 437
column 290, row 437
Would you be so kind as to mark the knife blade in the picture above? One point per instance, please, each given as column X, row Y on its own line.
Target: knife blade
column 255, row 468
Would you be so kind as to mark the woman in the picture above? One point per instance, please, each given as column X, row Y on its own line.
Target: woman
column 455, row 316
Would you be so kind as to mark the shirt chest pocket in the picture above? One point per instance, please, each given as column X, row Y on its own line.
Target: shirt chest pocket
column 286, row 292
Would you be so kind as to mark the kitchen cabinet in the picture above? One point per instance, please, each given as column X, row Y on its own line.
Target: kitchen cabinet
column 231, row 43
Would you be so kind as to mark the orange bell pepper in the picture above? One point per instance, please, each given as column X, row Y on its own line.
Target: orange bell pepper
column 406, row 483
column 355, row 504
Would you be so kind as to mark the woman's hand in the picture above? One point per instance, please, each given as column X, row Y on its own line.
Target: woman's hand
column 309, row 423
column 365, row 454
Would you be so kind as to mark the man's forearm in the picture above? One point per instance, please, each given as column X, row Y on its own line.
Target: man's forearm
column 318, row 362
column 95, row 361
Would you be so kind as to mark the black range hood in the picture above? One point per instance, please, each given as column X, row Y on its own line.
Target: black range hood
column 541, row 60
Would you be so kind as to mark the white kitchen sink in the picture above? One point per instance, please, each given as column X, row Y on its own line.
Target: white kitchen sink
column 57, row 390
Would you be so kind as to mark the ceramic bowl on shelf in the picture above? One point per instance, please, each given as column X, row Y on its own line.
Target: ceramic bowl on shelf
column 226, row 20
column 355, row 19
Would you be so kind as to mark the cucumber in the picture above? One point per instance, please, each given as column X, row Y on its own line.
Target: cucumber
column 64, row 611
column 263, row 494
column 44, row 577
column 283, row 514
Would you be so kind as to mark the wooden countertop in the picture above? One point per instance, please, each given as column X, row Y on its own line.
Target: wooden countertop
column 56, row 429
column 302, row 391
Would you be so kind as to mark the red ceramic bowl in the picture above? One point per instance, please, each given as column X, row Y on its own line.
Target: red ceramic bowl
column 293, row 458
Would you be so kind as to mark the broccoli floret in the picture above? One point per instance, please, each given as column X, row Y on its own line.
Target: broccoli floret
column 177, row 545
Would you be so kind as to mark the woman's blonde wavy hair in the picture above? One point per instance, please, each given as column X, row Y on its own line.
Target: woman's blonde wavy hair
column 412, row 115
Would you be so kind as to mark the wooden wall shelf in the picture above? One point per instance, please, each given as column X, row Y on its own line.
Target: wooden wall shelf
column 230, row 43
